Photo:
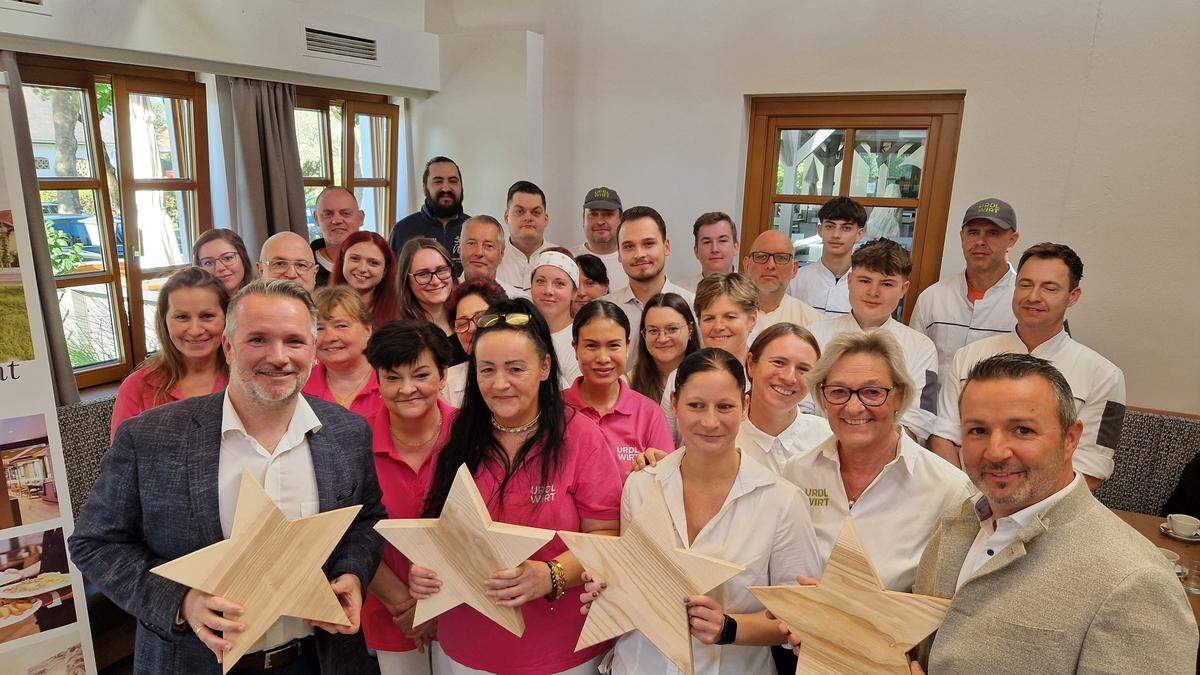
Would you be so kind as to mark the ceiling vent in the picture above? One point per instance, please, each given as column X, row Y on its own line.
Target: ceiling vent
column 339, row 44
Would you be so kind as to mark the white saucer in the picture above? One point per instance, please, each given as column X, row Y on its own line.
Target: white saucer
column 1166, row 529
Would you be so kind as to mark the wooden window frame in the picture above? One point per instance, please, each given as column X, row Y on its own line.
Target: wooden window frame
column 938, row 112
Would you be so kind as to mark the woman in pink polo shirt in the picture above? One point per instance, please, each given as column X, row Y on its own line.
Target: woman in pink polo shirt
column 536, row 463
column 632, row 422
column 342, row 374
column 188, row 322
column 410, row 358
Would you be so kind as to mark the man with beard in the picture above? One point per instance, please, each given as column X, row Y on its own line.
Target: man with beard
column 441, row 216
column 601, row 216
column 1047, row 284
column 967, row 307
column 771, row 265
column 338, row 216
column 170, row 482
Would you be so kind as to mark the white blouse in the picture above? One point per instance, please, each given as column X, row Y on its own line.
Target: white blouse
column 803, row 434
column 456, row 384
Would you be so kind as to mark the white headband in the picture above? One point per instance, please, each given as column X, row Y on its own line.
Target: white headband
column 555, row 259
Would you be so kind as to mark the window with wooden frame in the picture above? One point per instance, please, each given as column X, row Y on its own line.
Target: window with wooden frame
column 122, row 165
column 349, row 139
column 902, row 150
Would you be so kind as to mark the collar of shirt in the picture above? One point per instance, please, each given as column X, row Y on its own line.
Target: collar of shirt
column 622, row 406
column 768, row 442
column 318, row 386
column 625, row 296
column 1021, row 519
column 304, row 421
column 1047, row 350
column 828, row 273
column 750, row 476
column 906, row 453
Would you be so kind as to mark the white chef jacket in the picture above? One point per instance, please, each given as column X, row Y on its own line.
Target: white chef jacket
column 628, row 302
column 790, row 310
column 1097, row 384
column 456, row 384
column 919, row 355
column 944, row 315
column 568, row 362
column 817, row 286
column 803, row 434
column 895, row 515
column 617, row 279
column 286, row 474
column 763, row 526
column 515, row 268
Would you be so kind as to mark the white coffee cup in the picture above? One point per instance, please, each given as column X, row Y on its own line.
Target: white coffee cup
column 1171, row 556
column 1183, row 524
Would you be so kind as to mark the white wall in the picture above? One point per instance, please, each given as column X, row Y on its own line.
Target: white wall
column 1082, row 114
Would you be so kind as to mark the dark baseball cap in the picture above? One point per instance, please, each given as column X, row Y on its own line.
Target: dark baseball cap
column 602, row 198
column 993, row 210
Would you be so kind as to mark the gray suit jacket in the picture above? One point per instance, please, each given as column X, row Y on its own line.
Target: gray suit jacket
column 1077, row 591
column 156, row 500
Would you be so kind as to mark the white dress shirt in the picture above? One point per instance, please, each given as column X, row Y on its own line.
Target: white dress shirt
column 515, row 267
column 895, row 515
column 568, row 362
column 944, row 315
column 628, row 302
column 817, row 286
column 803, row 434
column 920, row 356
column 286, row 474
column 617, row 279
column 763, row 526
column 996, row 535
column 790, row 310
column 1097, row 384
column 456, row 384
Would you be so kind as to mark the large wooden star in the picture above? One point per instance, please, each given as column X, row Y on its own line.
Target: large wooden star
column 269, row 565
column 465, row 547
column 850, row 623
column 648, row 578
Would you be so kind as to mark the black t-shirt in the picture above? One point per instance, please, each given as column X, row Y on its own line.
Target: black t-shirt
column 322, row 273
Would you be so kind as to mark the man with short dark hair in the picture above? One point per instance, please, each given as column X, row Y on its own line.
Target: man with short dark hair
column 441, row 217
column 825, row 284
column 1047, row 285
column 286, row 255
column 527, row 220
column 601, row 216
column 715, row 245
column 337, row 214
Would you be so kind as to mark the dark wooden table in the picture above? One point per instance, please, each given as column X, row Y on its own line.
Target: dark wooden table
column 1148, row 527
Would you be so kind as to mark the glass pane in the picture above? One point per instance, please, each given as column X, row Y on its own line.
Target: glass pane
column 166, row 220
column 887, row 163
column 373, row 202
column 335, row 136
column 810, row 161
column 87, row 316
column 310, row 205
column 371, row 146
column 73, row 232
column 150, row 289
column 108, row 135
column 895, row 223
column 799, row 222
column 160, row 128
column 59, row 130
column 310, row 135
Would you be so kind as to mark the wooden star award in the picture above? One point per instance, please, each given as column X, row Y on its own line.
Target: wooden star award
column 465, row 547
column 269, row 565
column 849, row 623
column 648, row 578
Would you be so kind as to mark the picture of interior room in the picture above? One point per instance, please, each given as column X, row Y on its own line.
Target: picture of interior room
column 29, row 493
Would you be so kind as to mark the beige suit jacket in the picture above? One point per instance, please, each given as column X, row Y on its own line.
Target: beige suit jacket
column 1077, row 591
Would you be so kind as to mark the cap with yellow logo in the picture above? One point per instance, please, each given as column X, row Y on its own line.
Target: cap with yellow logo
column 602, row 198
column 993, row 210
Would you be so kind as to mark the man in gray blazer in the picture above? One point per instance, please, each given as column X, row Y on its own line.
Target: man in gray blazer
column 1043, row 578
column 168, row 487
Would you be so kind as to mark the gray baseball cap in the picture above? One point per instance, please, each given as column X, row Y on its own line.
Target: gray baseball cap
column 602, row 198
column 994, row 210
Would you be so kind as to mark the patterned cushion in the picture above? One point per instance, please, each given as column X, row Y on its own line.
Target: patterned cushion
column 84, row 429
column 1152, row 453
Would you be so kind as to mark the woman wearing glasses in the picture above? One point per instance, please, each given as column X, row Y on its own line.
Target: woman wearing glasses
column 668, row 335
column 553, row 279
column 366, row 264
column 222, row 253
column 537, row 463
column 341, row 374
column 426, row 281
column 466, row 304
column 869, row 468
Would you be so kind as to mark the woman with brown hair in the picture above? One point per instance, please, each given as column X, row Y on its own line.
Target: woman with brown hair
column 365, row 262
column 426, row 277
column 222, row 253
column 188, row 323
column 341, row 374
column 668, row 335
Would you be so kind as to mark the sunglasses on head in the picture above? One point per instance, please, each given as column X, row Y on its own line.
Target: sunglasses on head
column 509, row 319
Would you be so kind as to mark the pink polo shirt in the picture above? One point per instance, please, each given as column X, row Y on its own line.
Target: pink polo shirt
column 586, row 484
column 366, row 403
column 634, row 423
column 403, row 497
column 139, row 393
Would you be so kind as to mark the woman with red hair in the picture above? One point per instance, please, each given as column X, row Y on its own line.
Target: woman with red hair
column 366, row 263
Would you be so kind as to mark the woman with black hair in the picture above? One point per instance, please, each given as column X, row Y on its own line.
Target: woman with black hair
column 593, row 281
column 536, row 463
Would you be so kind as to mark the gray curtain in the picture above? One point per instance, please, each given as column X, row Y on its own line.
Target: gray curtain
column 62, row 376
column 266, row 161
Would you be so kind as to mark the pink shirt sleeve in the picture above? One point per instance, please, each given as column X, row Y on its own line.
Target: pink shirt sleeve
column 130, row 401
column 597, row 481
column 658, row 433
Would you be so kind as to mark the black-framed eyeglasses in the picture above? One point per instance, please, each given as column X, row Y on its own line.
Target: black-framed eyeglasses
column 761, row 257
column 510, row 319
column 464, row 324
column 872, row 397
column 425, row 277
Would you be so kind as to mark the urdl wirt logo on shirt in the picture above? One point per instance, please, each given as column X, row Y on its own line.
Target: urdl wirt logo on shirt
column 817, row 496
column 626, row 453
column 541, row 494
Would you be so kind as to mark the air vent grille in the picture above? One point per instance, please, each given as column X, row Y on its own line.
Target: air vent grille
column 340, row 44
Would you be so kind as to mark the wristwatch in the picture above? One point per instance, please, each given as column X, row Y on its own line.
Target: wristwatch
column 728, row 631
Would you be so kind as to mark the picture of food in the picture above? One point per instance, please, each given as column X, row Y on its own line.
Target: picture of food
column 46, row 581
column 35, row 589
column 57, row 654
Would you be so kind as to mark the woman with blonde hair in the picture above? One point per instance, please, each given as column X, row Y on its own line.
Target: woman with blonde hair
column 342, row 374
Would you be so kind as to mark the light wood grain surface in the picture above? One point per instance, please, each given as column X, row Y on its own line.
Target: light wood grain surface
column 849, row 623
column 465, row 547
column 648, row 578
column 270, row 565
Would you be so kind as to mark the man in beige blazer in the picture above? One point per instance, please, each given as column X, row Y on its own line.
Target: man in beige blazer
column 1043, row 578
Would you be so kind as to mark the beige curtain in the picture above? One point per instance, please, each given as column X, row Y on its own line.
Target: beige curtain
column 63, row 377
column 266, row 161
